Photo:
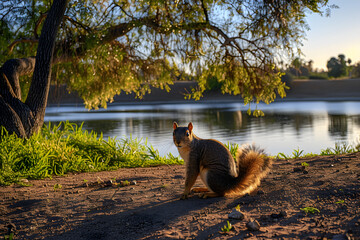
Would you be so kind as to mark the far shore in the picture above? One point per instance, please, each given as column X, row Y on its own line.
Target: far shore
column 300, row 90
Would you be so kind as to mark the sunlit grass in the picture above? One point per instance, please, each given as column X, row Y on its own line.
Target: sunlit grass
column 339, row 148
column 60, row 149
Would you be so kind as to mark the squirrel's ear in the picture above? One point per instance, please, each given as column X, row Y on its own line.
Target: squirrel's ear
column 175, row 125
column 190, row 126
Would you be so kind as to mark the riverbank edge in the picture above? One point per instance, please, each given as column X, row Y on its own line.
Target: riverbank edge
column 300, row 90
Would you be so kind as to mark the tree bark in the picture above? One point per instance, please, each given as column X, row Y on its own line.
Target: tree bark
column 25, row 118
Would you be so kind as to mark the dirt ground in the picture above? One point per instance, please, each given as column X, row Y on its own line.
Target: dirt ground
column 90, row 206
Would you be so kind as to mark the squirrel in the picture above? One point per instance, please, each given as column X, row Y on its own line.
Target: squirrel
column 217, row 168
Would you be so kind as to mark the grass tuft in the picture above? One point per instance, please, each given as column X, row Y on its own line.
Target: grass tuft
column 227, row 227
column 66, row 147
column 340, row 148
column 311, row 210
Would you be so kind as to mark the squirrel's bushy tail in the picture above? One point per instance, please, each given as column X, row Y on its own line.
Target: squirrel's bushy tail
column 253, row 165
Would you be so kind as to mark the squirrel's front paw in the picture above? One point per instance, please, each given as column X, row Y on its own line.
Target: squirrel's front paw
column 203, row 195
column 184, row 196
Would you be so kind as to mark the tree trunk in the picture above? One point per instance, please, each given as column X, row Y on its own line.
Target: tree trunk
column 25, row 118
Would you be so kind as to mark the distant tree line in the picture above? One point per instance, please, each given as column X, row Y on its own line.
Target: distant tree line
column 337, row 67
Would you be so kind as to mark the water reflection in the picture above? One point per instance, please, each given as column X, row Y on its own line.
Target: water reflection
column 338, row 125
column 286, row 126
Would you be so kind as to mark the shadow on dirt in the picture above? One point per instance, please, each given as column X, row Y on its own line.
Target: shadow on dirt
column 136, row 223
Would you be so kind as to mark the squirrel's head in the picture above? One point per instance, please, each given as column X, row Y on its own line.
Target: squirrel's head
column 182, row 136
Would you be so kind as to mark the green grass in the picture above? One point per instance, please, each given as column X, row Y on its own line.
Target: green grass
column 60, row 149
column 233, row 147
column 227, row 227
column 9, row 237
column 311, row 210
column 304, row 164
column 57, row 186
column 340, row 148
column 64, row 148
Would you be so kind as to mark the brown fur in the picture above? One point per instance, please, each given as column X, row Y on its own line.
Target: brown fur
column 213, row 162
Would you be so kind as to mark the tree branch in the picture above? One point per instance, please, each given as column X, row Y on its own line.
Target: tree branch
column 205, row 11
column 37, row 25
column 18, row 41
column 77, row 23
column 13, row 69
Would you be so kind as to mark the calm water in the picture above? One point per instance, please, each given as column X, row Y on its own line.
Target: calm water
column 309, row 126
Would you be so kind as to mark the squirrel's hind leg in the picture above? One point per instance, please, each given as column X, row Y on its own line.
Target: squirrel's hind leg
column 209, row 195
column 199, row 190
column 205, row 192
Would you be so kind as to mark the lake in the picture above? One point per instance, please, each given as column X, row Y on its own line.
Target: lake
column 309, row 125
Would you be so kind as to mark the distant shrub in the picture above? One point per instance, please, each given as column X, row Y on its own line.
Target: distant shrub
column 319, row 76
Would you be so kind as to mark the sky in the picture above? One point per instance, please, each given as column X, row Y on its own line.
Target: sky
column 330, row 36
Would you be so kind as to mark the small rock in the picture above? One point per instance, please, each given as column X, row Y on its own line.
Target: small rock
column 253, row 225
column 283, row 213
column 133, row 182
column 305, row 172
column 24, row 180
column 108, row 183
column 11, row 228
column 235, row 214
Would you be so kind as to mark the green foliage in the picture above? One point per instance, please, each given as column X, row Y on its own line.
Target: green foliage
column 296, row 153
column 311, row 210
column 57, row 186
column 304, row 164
column 340, row 148
column 9, row 237
column 317, row 76
column 299, row 68
column 337, row 66
column 252, row 87
column 227, row 227
column 233, row 148
column 282, row 156
column 355, row 72
column 57, row 150
column 111, row 47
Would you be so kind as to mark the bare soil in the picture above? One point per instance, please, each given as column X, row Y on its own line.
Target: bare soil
column 90, row 206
